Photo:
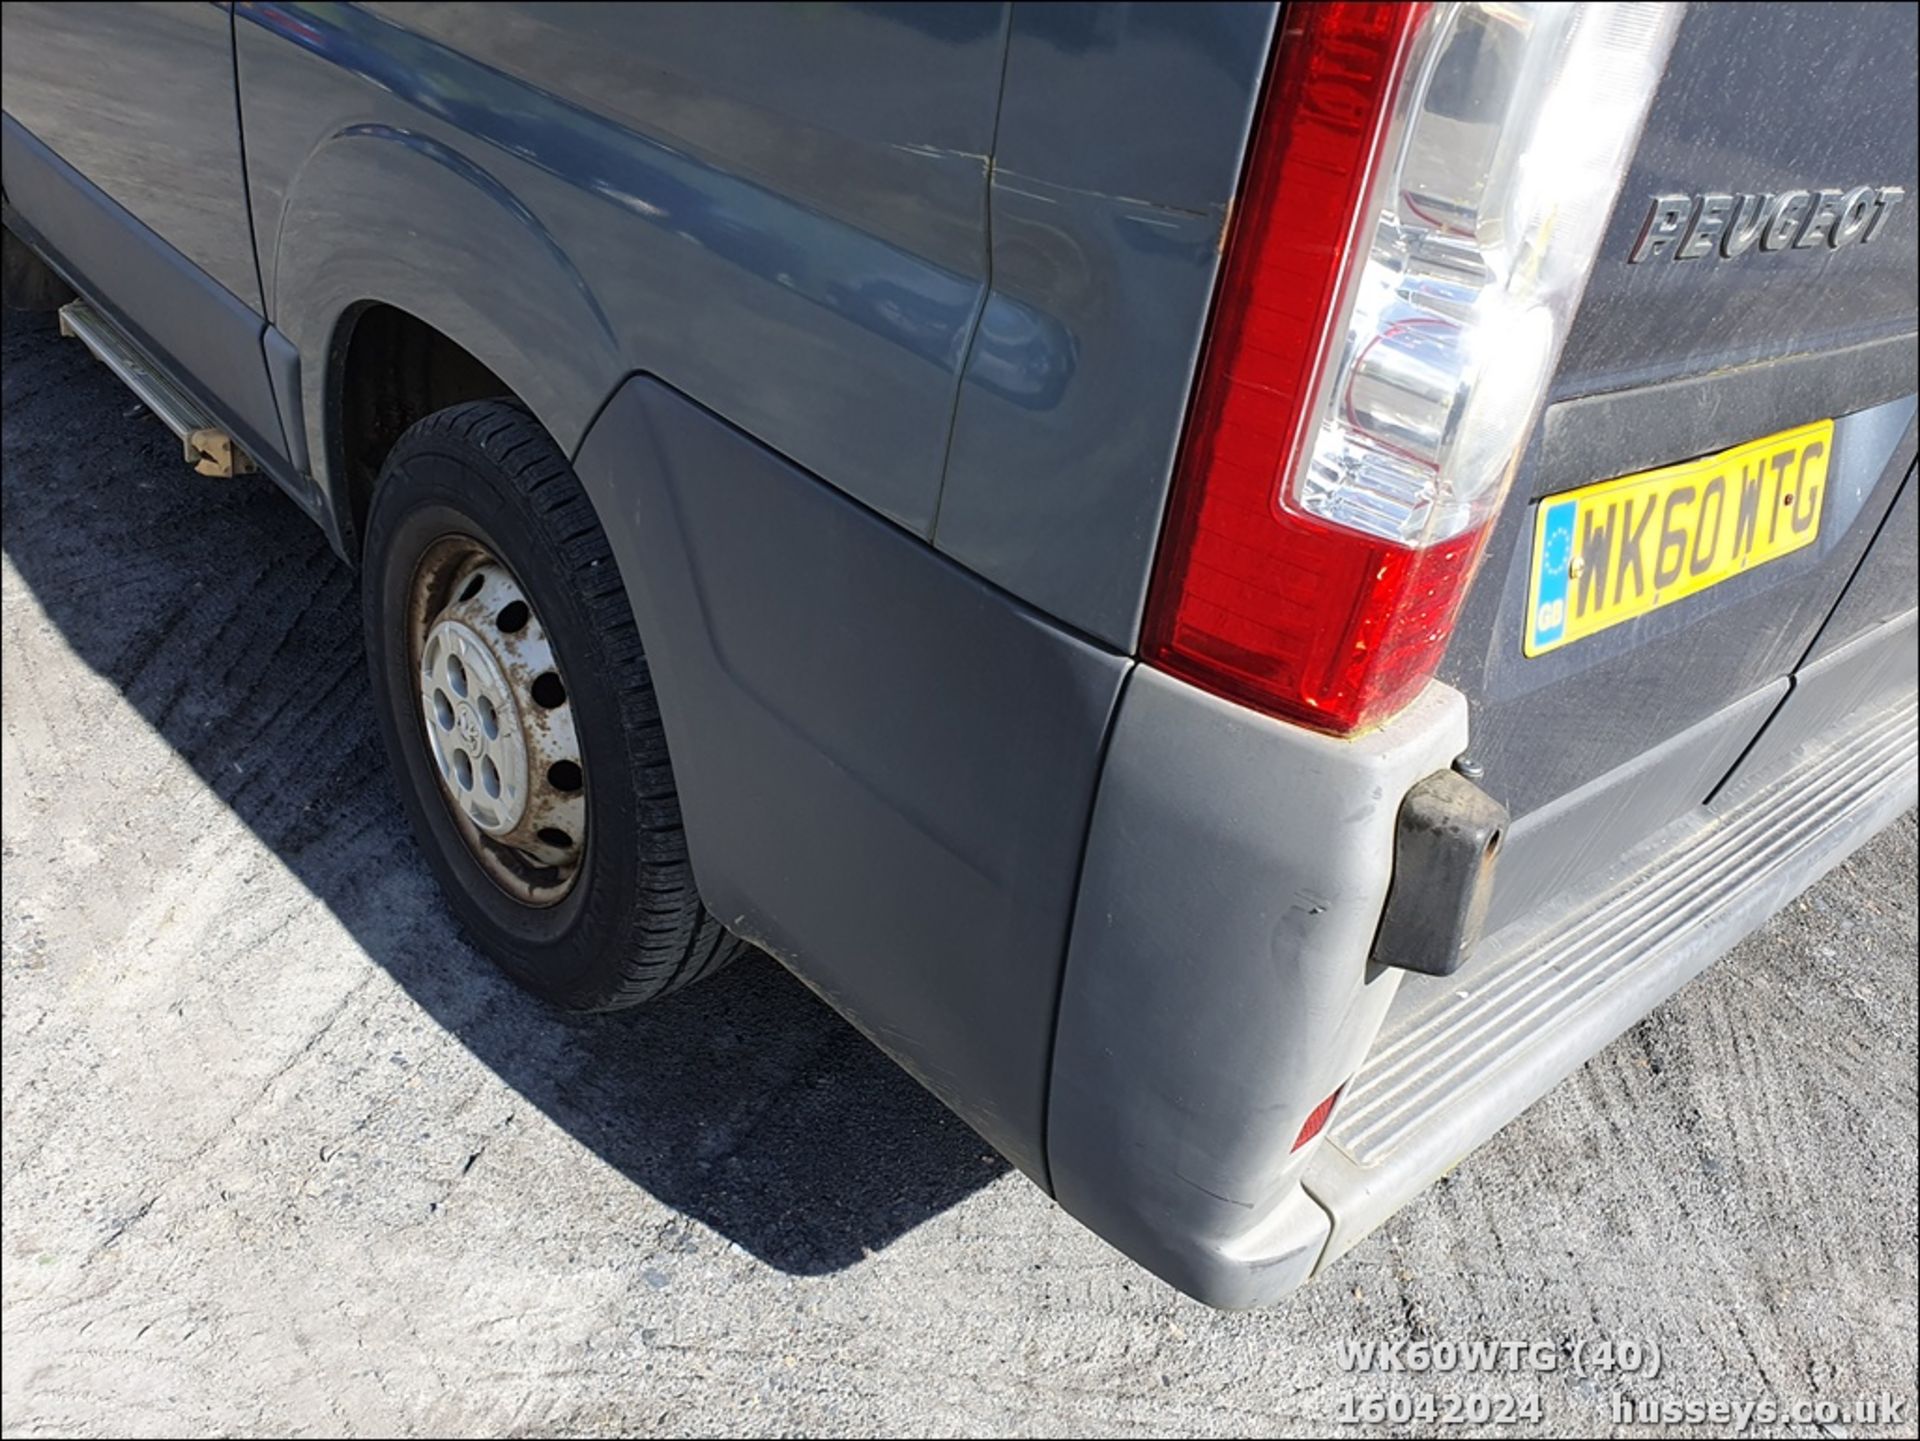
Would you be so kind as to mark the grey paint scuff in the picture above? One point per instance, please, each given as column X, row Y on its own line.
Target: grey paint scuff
column 1217, row 988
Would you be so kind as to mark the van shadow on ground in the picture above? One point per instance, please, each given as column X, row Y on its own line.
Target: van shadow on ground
column 220, row 613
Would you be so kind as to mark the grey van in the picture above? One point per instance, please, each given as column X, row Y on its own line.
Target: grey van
column 1240, row 587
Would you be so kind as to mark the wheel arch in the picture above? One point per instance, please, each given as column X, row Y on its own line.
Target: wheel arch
column 388, row 369
column 395, row 250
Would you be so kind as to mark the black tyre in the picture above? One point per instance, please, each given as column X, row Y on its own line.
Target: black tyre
column 520, row 719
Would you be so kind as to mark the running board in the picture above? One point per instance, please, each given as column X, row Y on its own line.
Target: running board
column 206, row 447
column 1447, row 1072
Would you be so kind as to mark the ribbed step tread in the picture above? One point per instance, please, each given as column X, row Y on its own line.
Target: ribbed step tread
column 120, row 355
column 1518, row 994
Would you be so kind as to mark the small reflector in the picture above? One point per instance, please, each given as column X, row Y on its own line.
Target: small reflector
column 1317, row 1122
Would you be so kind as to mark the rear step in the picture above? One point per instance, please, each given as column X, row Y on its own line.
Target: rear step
column 208, row 448
column 1544, row 996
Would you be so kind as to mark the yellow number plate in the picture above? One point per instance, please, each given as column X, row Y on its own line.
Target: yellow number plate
column 1609, row 552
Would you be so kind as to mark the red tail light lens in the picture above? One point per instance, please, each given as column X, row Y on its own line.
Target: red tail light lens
column 1426, row 188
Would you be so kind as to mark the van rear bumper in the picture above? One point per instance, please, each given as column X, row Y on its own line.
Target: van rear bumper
column 1217, row 989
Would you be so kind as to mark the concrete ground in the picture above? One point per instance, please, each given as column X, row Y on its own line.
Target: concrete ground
column 283, row 1155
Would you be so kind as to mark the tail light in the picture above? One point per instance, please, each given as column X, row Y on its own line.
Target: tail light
column 1425, row 193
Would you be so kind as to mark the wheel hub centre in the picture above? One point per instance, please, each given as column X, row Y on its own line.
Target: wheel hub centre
column 467, row 724
column 473, row 723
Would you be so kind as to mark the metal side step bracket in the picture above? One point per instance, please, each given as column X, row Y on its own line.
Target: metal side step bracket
column 207, row 448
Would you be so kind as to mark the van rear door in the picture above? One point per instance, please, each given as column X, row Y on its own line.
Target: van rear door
column 1752, row 308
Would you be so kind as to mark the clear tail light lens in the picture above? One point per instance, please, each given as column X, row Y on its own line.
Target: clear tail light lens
column 1425, row 196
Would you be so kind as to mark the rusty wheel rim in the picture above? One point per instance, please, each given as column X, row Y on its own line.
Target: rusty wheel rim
column 498, row 721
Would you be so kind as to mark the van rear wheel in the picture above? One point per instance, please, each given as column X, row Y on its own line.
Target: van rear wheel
column 519, row 716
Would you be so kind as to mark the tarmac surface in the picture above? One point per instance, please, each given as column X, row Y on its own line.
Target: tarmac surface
column 282, row 1154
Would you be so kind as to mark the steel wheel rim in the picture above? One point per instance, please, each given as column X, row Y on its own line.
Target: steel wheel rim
column 497, row 720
